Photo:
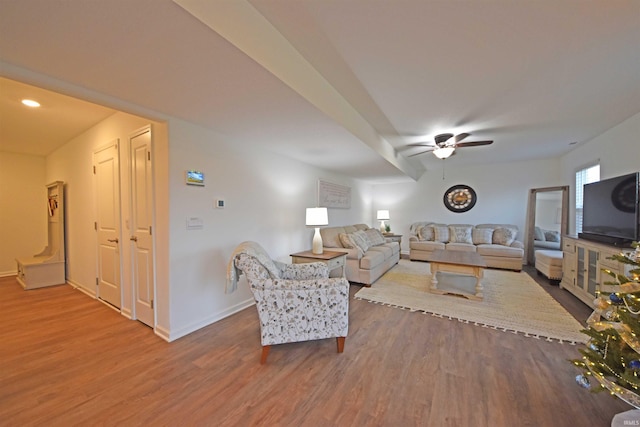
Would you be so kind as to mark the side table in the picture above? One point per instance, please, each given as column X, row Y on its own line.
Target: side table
column 332, row 259
column 393, row 237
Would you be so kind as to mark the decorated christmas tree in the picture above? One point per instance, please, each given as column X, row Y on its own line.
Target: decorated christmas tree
column 611, row 359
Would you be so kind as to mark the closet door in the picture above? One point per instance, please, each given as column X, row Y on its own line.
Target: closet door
column 106, row 172
column 142, row 250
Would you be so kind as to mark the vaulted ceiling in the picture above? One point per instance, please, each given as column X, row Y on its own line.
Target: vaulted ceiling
column 344, row 85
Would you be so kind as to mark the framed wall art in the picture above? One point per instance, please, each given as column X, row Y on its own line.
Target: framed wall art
column 195, row 178
column 332, row 195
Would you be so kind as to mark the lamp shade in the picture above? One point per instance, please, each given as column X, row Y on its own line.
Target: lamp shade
column 317, row 216
column 444, row 152
column 383, row 214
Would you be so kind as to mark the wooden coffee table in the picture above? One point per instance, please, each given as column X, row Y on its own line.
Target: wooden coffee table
column 460, row 273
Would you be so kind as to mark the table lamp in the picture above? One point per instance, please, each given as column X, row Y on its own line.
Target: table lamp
column 315, row 218
column 382, row 216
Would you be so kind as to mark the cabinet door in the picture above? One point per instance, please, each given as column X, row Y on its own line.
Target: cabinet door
column 605, row 262
column 592, row 271
column 587, row 272
column 568, row 270
column 582, row 270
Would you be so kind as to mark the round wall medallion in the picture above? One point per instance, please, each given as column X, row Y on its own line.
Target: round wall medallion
column 459, row 198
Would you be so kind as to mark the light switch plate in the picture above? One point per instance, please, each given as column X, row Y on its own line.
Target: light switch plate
column 194, row 223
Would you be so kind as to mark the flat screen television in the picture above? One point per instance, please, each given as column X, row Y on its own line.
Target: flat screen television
column 611, row 210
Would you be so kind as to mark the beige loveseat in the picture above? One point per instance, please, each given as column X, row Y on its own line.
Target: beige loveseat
column 369, row 254
column 495, row 242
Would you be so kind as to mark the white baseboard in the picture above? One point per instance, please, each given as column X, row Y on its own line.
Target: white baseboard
column 162, row 333
column 9, row 273
column 78, row 286
column 174, row 335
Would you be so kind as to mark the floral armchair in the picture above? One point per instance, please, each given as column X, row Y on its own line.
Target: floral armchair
column 295, row 302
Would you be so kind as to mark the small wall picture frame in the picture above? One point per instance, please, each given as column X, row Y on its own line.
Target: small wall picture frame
column 194, row 177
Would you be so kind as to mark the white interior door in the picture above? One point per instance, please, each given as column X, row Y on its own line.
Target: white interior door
column 106, row 172
column 141, row 227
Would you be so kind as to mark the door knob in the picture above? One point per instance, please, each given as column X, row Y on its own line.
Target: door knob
column 134, row 238
column 113, row 240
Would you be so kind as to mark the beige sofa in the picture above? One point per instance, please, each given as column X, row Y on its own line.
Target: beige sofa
column 495, row 242
column 369, row 254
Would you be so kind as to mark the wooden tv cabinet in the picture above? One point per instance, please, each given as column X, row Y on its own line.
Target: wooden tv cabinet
column 582, row 264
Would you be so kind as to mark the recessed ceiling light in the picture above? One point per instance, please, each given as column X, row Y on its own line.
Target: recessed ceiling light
column 30, row 103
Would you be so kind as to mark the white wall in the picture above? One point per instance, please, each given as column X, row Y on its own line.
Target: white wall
column 23, row 211
column 548, row 214
column 266, row 196
column 617, row 150
column 502, row 194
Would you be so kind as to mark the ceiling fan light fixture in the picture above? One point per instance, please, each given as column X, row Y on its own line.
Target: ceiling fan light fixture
column 444, row 152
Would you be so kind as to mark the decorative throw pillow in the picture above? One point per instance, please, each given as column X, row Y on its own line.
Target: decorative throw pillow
column 551, row 236
column 460, row 234
column 380, row 239
column 360, row 239
column 538, row 234
column 482, row 236
column 426, row 233
column 504, row 236
column 347, row 241
column 441, row 234
column 374, row 237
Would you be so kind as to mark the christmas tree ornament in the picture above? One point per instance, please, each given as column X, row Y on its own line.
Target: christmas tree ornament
column 609, row 313
column 615, row 298
column 583, row 381
column 634, row 364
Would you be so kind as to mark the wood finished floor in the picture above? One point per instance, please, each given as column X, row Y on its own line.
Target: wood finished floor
column 67, row 359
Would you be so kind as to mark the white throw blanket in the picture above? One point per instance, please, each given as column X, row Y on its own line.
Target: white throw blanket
column 252, row 249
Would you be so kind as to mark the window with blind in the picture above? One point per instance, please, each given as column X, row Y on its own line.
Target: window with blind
column 584, row 176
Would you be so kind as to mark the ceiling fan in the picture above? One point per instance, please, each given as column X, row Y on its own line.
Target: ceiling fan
column 446, row 144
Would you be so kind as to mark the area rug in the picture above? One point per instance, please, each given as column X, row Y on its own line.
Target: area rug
column 512, row 302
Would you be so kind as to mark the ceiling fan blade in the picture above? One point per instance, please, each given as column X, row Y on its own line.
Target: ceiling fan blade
column 416, row 145
column 442, row 138
column 461, row 136
column 421, row 144
column 421, row 152
column 474, row 143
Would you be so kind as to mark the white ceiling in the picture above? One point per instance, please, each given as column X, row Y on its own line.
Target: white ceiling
column 345, row 85
column 39, row 131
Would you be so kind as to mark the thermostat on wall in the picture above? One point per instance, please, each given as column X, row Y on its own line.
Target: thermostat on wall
column 220, row 204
